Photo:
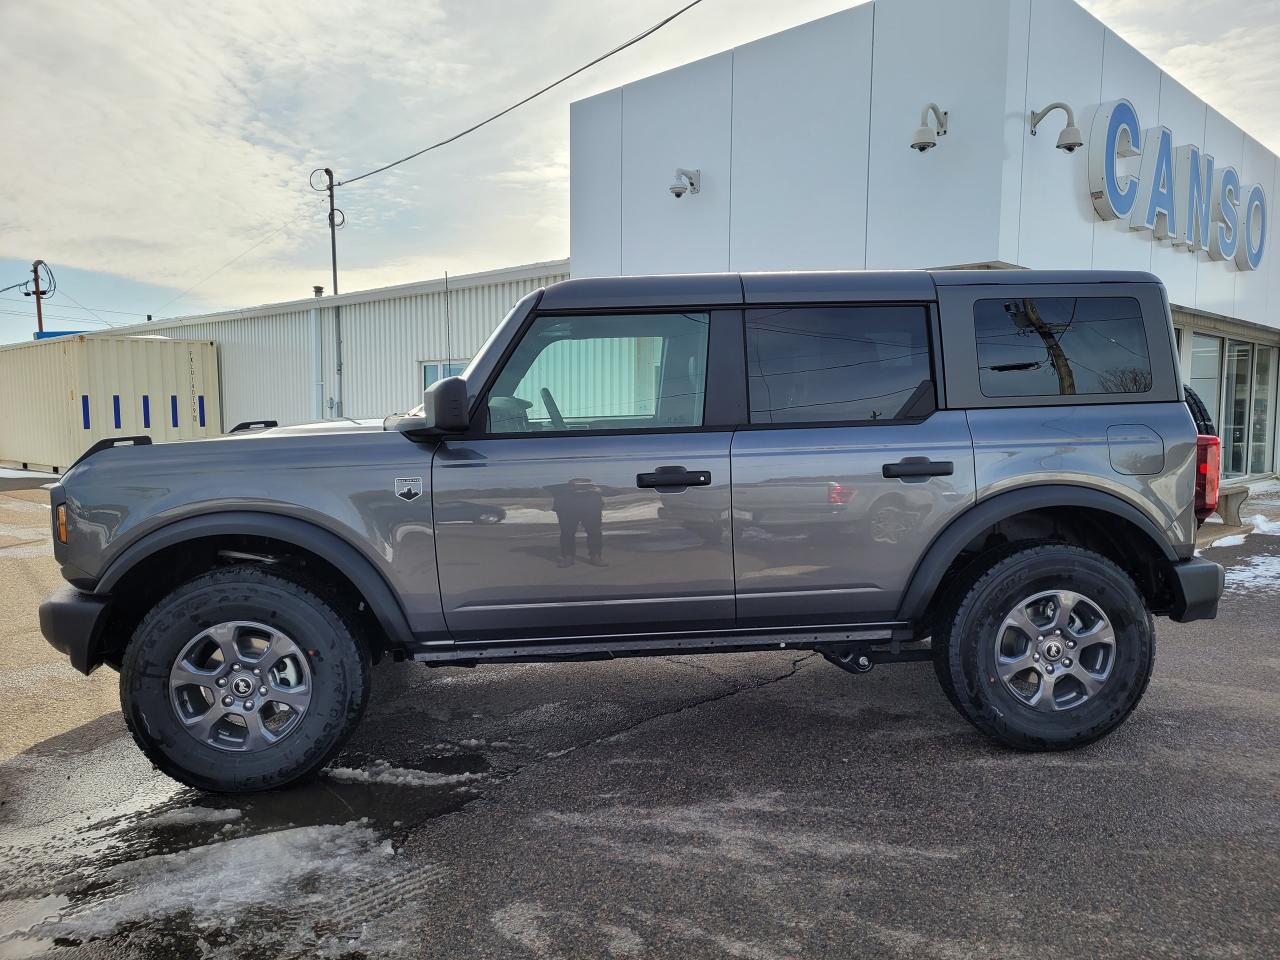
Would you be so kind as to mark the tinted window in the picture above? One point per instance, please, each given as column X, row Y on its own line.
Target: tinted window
column 632, row 372
column 1061, row 346
column 823, row 364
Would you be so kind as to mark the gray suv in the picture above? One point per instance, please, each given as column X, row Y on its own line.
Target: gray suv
column 994, row 471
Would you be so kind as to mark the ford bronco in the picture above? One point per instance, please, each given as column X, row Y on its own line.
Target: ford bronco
column 994, row 471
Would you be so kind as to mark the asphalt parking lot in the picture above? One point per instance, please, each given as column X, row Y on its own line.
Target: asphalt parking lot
column 753, row 806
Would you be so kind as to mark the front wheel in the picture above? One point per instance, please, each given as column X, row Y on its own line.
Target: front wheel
column 1050, row 647
column 243, row 679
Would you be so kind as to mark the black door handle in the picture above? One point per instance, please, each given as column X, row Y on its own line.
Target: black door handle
column 674, row 477
column 918, row 468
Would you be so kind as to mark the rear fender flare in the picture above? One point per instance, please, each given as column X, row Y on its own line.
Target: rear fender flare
column 948, row 544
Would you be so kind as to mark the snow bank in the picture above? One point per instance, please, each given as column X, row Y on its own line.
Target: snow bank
column 1232, row 541
column 1261, row 524
column 380, row 771
column 190, row 816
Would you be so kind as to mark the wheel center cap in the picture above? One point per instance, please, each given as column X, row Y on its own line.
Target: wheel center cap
column 242, row 686
column 1053, row 650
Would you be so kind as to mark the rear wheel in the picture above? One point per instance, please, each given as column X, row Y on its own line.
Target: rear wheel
column 243, row 679
column 1050, row 647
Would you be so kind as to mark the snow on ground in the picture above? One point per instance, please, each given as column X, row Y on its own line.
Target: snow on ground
column 1261, row 574
column 1262, row 525
column 1232, row 541
column 218, row 883
column 7, row 473
column 190, row 816
column 380, row 771
column 1265, row 489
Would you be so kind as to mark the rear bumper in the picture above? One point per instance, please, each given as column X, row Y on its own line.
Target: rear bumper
column 1197, row 588
column 73, row 622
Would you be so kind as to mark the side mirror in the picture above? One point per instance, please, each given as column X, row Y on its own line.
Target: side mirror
column 446, row 408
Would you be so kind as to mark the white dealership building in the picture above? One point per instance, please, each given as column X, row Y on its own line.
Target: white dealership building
column 802, row 150
column 800, row 146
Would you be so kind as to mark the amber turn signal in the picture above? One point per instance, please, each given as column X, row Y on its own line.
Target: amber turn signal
column 62, row 522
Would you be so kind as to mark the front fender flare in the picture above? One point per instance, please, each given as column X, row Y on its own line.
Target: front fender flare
column 961, row 531
column 349, row 561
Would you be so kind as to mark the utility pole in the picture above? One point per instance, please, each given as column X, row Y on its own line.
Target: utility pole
column 334, row 213
column 37, row 293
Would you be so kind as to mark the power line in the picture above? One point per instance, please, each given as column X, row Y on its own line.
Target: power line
column 533, row 96
column 84, row 308
column 237, row 257
column 127, row 313
column 59, row 317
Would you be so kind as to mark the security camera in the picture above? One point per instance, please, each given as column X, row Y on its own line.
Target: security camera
column 1070, row 139
column 924, row 140
column 926, row 137
column 686, row 181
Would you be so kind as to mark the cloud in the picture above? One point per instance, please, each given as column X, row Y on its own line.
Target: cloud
column 157, row 139
column 1223, row 51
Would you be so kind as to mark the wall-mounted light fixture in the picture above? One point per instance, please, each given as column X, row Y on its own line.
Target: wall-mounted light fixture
column 926, row 137
column 686, row 181
column 1069, row 139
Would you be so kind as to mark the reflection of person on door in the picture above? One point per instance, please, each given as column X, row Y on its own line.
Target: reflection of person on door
column 580, row 502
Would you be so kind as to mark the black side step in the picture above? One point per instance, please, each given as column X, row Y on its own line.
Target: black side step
column 891, row 641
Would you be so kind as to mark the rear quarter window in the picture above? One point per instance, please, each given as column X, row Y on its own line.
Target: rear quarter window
column 1061, row 346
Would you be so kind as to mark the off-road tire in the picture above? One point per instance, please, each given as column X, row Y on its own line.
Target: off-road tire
column 337, row 656
column 964, row 645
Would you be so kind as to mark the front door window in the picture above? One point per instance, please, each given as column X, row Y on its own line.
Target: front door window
column 614, row 372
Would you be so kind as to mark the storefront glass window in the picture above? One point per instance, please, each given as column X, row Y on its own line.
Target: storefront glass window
column 1206, row 371
column 1235, row 418
column 1263, row 420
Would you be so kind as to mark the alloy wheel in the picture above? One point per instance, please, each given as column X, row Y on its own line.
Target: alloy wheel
column 240, row 686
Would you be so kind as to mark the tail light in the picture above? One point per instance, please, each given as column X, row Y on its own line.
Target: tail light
column 1208, row 475
column 838, row 493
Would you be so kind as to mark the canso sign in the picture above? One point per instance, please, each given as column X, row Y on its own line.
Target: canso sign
column 1178, row 195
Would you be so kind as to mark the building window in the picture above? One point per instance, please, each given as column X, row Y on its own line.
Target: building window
column 1061, row 346
column 433, row 370
column 1235, row 414
column 1206, row 372
column 837, row 364
column 1262, row 422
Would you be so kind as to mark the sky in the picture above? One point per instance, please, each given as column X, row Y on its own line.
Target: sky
column 148, row 143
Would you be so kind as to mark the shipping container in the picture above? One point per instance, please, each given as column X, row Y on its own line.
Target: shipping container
column 59, row 396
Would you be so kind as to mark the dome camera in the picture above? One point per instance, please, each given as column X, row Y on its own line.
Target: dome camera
column 924, row 140
column 686, row 181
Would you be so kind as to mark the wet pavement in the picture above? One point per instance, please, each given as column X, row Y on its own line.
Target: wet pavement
column 754, row 806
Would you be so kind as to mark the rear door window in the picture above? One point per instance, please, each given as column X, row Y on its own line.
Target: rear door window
column 838, row 364
column 1061, row 346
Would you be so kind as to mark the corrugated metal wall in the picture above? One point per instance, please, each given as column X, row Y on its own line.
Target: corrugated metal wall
column 58, row 397
column 268, row 355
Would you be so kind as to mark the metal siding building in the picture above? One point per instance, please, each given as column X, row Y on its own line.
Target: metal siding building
column 279, row 361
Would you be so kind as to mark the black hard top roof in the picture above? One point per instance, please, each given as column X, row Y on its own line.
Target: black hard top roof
column 736, row 289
